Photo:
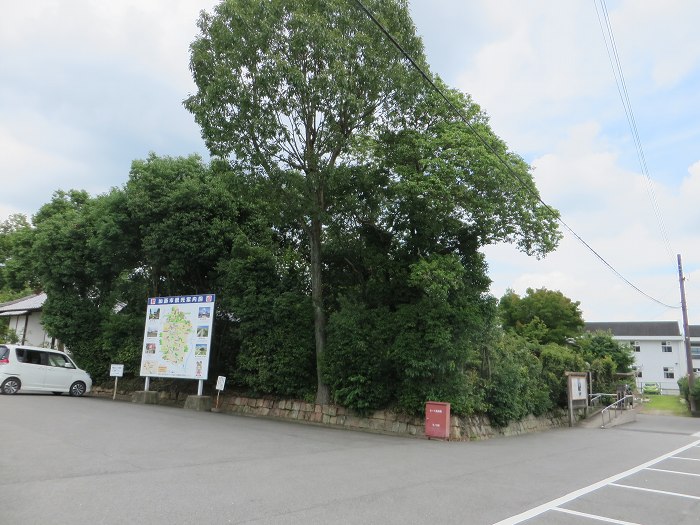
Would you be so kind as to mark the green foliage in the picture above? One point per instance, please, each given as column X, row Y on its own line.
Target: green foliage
column 163, row 233
column 357, row 363
column 685, row 391
column 274, row 327
column 543, row 315
column 17, row 277
column 556, row 361
column 515, row 386
column 422, row 343
column 185, row 216
column 603, row 370
column 377, row 357
column 452, row 193
column 598, row 345
column 7, row 335
column 322, row 67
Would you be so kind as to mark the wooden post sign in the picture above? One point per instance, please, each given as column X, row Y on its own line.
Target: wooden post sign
column 116, row 371
column 220, row 382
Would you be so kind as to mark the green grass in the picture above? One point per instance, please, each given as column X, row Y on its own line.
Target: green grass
column 668, row 405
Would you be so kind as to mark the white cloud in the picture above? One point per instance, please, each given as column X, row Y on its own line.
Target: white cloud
column 153, row 36
column 89, row 87
column 26, row 163
column 610, row 209
column 661, row 36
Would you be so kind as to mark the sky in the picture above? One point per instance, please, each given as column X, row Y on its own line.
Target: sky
column 89, row 86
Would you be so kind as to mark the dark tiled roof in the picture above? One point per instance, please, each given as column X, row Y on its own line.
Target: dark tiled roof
column 694, row 330
column 639, row 328
column 31, row 302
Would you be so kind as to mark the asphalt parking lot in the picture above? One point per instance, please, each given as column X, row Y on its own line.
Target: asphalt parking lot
column 89, row 460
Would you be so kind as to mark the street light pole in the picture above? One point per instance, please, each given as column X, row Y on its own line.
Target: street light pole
column 686, row 338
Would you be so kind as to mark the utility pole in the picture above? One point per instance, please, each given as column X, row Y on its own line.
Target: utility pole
column 686, row 338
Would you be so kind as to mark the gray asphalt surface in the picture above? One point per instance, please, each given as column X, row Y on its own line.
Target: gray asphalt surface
column 95, row 461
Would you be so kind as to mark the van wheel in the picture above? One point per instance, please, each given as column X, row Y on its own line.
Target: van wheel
column 57, row 393
column 11, row 385
column 77, row 389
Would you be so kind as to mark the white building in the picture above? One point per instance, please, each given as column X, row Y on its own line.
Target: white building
column 25, row 319
column 659, row 349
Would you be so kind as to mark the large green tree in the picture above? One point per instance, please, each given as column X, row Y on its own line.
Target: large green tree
column 311, row 95
column 166, row 231
column 285, row 87
column 544, row 316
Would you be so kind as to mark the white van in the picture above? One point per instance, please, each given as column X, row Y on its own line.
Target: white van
column 30, row 368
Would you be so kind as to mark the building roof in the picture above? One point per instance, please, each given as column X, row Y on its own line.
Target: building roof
column 23, row 305
column 639, row 328
column 694, row 330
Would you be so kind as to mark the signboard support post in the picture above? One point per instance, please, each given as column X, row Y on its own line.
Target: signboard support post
column 116, row 371
column 200, row 387
column 148, row 383
column 220, row 382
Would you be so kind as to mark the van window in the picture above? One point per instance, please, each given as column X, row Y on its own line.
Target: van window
column 58, row 360
column 4, row 353
column 35, row 357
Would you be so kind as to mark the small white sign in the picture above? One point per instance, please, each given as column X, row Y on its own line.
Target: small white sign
column 220, row 382
column 116, row 370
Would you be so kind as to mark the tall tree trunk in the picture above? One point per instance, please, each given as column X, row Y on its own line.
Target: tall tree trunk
column 322, row 391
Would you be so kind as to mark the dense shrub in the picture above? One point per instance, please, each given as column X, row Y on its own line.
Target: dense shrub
column 685, row 391
column 356, row 364
column 273, row 323
column 556, row 361
column 515, row 387
column 403, row 357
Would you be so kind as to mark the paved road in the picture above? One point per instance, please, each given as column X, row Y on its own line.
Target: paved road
column 95, row 461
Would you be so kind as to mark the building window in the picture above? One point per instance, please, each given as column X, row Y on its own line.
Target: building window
column 637, row 347
column 695, row 352
column 666, row 346
column 669, row 372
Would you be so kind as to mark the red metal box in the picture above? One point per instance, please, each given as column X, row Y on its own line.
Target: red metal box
column 437, row 420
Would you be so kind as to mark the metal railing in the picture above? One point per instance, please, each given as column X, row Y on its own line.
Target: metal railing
column 594, row 399
column 618, row 405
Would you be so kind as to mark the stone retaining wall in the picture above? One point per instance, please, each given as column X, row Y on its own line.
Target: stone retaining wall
column 384, row 421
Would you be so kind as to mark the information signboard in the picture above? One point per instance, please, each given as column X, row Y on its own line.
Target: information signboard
column 578, row 387
column 177, row 336
column 116, row 370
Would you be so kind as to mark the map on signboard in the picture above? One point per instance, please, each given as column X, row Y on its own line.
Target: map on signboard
column 177, row 336
column 174, row 338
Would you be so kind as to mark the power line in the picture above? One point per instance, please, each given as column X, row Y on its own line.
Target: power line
column 463, row 117
column 616, row 65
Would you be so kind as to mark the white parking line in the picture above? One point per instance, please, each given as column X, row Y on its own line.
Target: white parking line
column 536, row 511
column 644, row 489
column 688, row 459
column 674, row 472
column 594, row 517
